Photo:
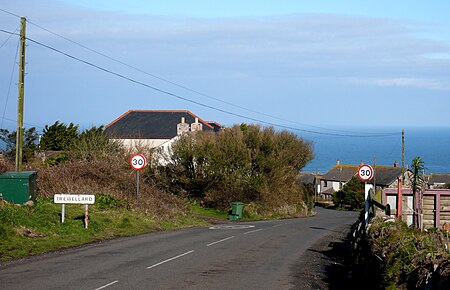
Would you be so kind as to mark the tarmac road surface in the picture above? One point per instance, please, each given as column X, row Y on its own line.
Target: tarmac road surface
column 250, row 255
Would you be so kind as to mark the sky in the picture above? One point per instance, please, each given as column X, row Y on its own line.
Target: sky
column 308, row 65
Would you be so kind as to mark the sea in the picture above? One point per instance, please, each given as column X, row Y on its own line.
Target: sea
column 383, row 147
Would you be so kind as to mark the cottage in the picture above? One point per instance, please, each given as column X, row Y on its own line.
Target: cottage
column 438, row 181
column 155, row 128
column 340, row 174
column 335, row 179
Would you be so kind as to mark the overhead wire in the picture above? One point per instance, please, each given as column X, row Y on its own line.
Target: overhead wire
column 177, row 84
column 189, row 89
column 196, row 102
column 10, row 83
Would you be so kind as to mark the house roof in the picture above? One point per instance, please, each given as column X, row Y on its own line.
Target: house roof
column 341, row 172
column 216, row 126
column 151, row 124
column 439, row 178
column 306, row 178
column 384, row 175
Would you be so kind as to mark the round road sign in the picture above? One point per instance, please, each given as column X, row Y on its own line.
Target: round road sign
column 365, row 172
column 138, row 161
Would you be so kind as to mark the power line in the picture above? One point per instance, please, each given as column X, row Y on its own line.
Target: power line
column 8, row 38
column 171, row 82
column 174, row 83
column 28, row 124
column 8, row 12
column 10, row 83
column 196, row 102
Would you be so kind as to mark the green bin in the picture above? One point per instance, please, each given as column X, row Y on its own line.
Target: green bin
column 236, row 209
column 18, row 187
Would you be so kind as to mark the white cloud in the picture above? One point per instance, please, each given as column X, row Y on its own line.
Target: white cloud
column 431, row 84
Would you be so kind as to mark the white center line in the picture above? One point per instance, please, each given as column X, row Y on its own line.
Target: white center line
column 254, row 231
column 107, row 285
column 171, row 259
column 216, row 242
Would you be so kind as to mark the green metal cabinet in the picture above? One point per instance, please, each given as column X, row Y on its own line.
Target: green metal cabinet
column 18, row 187
column 237, row 209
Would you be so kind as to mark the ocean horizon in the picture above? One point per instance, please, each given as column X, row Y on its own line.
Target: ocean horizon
column 432, row 145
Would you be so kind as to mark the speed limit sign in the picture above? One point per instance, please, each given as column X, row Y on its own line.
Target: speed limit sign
column 138, row 161
column 365, row 172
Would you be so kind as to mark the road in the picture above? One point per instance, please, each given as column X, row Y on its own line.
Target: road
column 250, row 255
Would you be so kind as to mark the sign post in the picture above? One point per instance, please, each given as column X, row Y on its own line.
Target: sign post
column 138, row 162
column 85, row 199
column 365, row 173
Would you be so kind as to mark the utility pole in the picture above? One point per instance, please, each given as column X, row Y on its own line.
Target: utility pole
column 403, row 156
column 19, row 132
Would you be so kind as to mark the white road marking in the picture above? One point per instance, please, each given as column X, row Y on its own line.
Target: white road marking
column 107, row 285
column 216, row 242
column 171, row 259
column 231, row 227
column 254, row 231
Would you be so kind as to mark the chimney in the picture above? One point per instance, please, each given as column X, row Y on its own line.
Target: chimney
column 182, row 127
column 196, row 126
column 395, row 163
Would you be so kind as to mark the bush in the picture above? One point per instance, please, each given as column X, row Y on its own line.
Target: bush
column 351, row 195
column 242, row 163
column 401, row 257
column 113, row 183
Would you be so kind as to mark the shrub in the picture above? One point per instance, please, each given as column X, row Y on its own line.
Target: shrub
column 242, row 163
column 351, row 195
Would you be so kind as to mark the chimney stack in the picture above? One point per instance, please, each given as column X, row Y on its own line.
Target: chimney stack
column 182, row 127
column 196, row 126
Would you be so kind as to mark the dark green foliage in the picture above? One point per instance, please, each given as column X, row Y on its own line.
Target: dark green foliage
column 242, row 163
column 396, row 256
column 62, row 157
column 417, row 168
column 30, row 139
column 351, row 195
column 58, row 136
column 104, row 201
column 93, row 144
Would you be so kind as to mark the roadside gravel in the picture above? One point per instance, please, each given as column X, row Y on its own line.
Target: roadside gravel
column 325, row 264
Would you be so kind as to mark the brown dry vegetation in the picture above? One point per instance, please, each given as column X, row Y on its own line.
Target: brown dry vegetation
column 109, row 178
column 396, row 256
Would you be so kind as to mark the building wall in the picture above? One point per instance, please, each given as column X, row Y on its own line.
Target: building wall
column 142, row 143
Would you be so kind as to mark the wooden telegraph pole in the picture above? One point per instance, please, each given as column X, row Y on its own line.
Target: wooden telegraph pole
column 19, row 132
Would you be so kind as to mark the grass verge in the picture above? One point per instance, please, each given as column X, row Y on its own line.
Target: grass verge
column 31, row 230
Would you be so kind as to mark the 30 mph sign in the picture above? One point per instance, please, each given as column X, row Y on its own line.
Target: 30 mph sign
column 365, row 172
column 138, row 162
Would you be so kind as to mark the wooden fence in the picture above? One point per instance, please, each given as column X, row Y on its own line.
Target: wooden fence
column 435, row 206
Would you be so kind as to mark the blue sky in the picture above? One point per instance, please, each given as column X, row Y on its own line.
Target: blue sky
column 312, row 65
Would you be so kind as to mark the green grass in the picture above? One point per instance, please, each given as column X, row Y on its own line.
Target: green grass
column 30, row 230
column 208, row 212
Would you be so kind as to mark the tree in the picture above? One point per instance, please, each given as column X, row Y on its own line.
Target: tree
column 29, row 143
column 93, row 144
column 352, row 194
column 58, row 136
column 242, row 163
column 417, row 182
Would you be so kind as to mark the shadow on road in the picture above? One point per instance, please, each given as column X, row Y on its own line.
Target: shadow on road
column 324, row 265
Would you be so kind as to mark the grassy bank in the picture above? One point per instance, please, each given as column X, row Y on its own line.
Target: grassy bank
column 30, row 230
column 395, row 256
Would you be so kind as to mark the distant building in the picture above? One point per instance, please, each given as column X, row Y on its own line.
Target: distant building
column 384, row 177
column 155, row 128
column 436, row 181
